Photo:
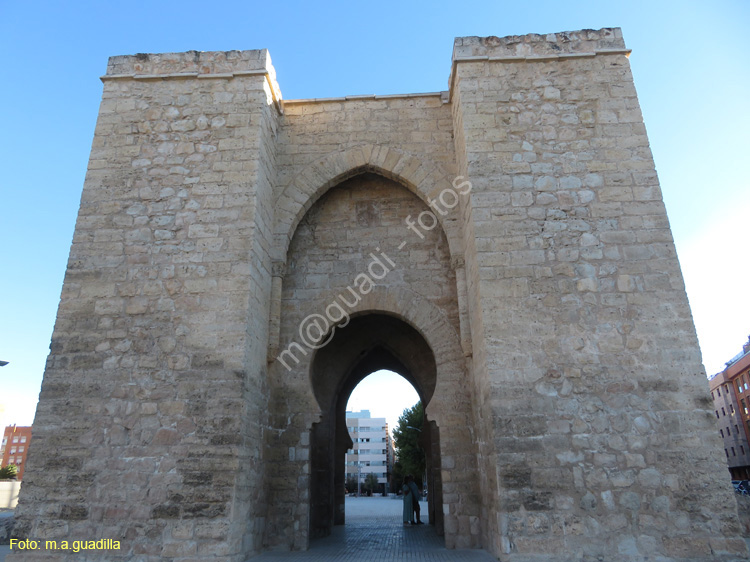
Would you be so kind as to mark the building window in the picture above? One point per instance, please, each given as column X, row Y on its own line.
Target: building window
column 717, row 414
column 19, row 460
column 20, row 449
column 726, row 453
column 742, row 449
column 718, row 392
column 15, row 439
column 11, row 460
column 726, row 389
column 733, row 454
column 723, row 412
column 721, row 432
column 23, row 439
column 12, row 450
column 736, row 429
column 729, row 431
column 731, row 409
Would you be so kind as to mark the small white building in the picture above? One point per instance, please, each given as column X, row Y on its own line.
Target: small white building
column 372, row 451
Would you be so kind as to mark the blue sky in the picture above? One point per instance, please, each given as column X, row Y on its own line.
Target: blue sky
column 689, row 63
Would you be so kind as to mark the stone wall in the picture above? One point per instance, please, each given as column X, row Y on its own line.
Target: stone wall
column 587, row 354
column 153, row 394
column 6, row 527
column 743, row 511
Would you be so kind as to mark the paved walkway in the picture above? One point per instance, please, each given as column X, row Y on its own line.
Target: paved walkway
column 374, row 533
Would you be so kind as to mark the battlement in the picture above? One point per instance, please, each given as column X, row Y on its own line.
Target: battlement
column 198, row 62
column 195, row 64
column 583, row 42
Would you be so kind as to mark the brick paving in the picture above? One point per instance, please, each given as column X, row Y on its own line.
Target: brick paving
column 374, row 532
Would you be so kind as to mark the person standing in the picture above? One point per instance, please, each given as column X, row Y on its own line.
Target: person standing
column 415, row 497
column 408, row 510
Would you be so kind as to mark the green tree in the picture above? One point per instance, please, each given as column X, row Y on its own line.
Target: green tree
column 406, row 438
column 351, row 484
column 371, row 483
column 397, row 477
column 8, row 472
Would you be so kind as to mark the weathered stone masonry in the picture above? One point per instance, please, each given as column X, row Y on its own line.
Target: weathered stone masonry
column 543, row 320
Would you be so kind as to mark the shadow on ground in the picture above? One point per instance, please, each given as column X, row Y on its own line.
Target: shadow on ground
column 374, row 532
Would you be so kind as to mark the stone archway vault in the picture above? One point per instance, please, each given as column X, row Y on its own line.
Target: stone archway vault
column 449, row 412
column 369, row 343
column 330, row 249
column 420, row 175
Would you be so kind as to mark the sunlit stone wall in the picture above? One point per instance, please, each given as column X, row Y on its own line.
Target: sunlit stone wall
column 572, row 405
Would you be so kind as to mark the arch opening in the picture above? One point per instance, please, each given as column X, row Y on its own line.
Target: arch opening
column 407, row 321
column 373, row 411
column 420, row 176
column 369, row 343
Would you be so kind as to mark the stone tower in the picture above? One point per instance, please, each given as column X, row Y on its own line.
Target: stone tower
column 240, row 262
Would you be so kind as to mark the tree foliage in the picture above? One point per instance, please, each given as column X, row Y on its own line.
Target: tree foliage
column 406, row 438
column 351, row 484
column 8, row 472
column 371, row 484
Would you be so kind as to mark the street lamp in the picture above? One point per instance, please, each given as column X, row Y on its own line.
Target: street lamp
column 3, row 363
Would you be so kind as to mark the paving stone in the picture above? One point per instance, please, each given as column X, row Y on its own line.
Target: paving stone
column 374, row 533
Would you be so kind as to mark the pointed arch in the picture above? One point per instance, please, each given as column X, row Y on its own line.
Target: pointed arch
column 397, row 329
column 431, row 324
column 422, row 176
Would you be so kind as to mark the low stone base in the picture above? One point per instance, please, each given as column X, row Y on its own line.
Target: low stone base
column 743, row 510
column 6, row 526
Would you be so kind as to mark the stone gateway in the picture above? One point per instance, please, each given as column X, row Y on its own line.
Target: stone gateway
column 240, row 262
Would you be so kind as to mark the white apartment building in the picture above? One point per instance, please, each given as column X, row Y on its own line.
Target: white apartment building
column 372, row 451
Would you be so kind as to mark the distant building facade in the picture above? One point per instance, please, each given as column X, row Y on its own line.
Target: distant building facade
column 372, row 451
column 730, row 391
column 15, row 447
